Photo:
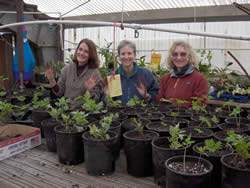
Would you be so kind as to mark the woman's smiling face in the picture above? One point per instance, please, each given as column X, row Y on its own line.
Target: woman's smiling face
column 127, row 56
column 180, row 57
column 83, row 54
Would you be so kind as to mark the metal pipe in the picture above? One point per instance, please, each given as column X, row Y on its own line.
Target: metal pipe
column 132, row 26
column 14, row 12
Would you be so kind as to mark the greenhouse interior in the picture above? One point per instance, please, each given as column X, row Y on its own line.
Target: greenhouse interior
column 87, row 87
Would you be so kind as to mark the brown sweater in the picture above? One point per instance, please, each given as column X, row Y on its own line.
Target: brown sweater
column 70, row 85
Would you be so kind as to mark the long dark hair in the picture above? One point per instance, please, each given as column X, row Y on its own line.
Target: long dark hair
column 93, row 61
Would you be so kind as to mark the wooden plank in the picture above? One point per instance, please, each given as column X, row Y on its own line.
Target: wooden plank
column 40, row 168
column 243, row 105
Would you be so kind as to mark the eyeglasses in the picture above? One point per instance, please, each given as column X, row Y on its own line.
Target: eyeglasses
column 182, row 54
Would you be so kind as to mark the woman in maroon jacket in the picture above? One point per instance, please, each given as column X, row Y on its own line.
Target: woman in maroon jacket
column 185, row 81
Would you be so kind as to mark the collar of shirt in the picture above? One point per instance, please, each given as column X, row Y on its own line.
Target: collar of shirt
column 121, row 71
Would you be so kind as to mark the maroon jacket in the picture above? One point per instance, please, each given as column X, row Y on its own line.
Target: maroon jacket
column 191, row 84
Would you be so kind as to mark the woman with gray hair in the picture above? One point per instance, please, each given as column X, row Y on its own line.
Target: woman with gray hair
column 185, row 82
column 135, row 80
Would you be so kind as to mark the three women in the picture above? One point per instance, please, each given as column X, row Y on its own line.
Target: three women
column 183, row 83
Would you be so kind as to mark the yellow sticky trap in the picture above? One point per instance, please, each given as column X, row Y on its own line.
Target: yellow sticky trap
column 155, row 61
column 114, row 85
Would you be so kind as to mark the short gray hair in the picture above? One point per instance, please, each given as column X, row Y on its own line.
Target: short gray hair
column 124, row 43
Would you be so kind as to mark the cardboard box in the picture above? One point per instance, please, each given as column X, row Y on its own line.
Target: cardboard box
column 22, row 138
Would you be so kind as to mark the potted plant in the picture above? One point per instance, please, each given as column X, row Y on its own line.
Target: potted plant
column 99, row 148
column 6, row 110
column 138, row 150
column 236, row 123
column 236, row 166
column 90, row 106
column 213, row 151
column 39, row 112
column 134, row 106
column 163, row 148
column 188, row 171
column 160, row 127
column 69, row 141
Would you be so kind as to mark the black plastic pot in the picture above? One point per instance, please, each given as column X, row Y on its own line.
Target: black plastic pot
column 183, row 123
column 116, row 127
column 181, row 114
column 151, row 116
column 244, row 128
column 214, row 127
column 195, row 136
column 139, row 153
column 177, row 179
column 159, row 128
column 234, row 120
column 133, row 112
column 214, row 158
column 160, row 153
column 49, row 133
column 99, row 154
column 37, row 117
column 161, row 109
column 233, row 177
column 69, row 145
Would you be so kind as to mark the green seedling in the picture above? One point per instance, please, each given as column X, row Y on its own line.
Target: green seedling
column 135, row 101
column 241, row 147
column 176, row 137
column 199, row 131
column 205, row 120
column 101, row 133
column 5, row 111
column 236, row 114
column 90, row 104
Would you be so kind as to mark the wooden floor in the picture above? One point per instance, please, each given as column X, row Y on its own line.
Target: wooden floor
column 40, row 169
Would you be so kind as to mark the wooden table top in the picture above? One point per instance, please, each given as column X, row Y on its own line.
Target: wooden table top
column 40, row 169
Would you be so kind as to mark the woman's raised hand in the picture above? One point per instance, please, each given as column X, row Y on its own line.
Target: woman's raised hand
column 91, row 82
column 142, row 88
column 50, row 74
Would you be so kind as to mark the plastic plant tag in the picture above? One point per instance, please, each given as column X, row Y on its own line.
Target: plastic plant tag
column 114, row 85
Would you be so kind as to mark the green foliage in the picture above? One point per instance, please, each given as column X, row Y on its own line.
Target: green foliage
column 62, row 104
column 21, row 98
column 5, row 111
column 90, row 104
column 41, row 104
column 108, row 56
column 214, row 119
column 112, row 103
column 228, row 105
column 101, row 133
column 204, row 119
column 135, row 101
column 54, row 113
column 236, row 114
column 199, row 131
column 73, row 119
column 218, row 109
column 210, row 146
column 241, row 146
column 197, row 105
column 141, row 61
column 2, row 79
column 176, row 137
column 3, row 93
column 138, row 125
column 163, row 124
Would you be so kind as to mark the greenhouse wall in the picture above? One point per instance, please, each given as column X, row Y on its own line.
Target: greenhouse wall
column 150, row 42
